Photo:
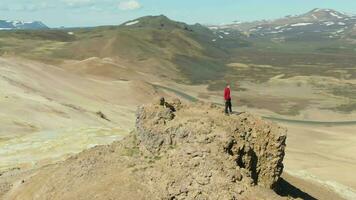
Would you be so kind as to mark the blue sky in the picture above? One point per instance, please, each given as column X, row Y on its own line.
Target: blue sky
column 69, row 13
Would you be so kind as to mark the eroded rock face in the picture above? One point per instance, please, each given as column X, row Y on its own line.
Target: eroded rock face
column 212, row 148
column 194, row 152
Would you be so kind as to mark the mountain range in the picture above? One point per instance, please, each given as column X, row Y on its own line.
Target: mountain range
column 159, row 45
column 317, row 24
column 14, row 24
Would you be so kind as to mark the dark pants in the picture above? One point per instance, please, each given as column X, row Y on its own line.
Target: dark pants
column 228, row 106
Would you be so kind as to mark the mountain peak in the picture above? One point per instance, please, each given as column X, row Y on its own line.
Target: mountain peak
column 156, row 22
column 325, row 14
column 16, row 24
column 321, row 10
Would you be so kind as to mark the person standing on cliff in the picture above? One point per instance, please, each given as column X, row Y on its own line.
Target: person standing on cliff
column 227, row 97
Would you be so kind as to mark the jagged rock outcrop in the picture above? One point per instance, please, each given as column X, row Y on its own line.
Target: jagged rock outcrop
column 228, row 148
column 192, row 151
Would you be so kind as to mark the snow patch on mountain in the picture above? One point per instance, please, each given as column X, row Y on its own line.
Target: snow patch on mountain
column 301, row 24
column 214, row 28
column 340, row 31
column 329, row 23
column 273, row 32
column 132, row 23
column 317, row 10
column 335, row 15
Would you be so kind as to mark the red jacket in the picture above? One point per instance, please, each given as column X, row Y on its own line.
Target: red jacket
column 227, row 94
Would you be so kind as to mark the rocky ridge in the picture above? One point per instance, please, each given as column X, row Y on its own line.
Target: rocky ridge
column 183, row 151
column 237, row 147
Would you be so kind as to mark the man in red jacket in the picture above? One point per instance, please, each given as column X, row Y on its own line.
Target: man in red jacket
column 227, row 97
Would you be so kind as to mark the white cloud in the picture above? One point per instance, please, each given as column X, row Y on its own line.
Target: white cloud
column 129, row 5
